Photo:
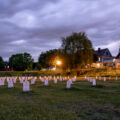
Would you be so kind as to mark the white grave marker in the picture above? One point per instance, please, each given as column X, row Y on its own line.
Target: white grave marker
column 104, row 79
column 33, row 81
column 55, row 80
column 60, row 78
column 26, row 86
column 100, row 78
column 94, row 82
column 69, row 82
column 74, row 79
column 10, row 84
column 2, row 82
column 46, row 82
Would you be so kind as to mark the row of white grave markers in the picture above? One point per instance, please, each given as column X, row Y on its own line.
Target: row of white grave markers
column 12, row 80
column 100, row 78
column 25, row 81
column 89, row 79
column 55, row 79
column 26, row 84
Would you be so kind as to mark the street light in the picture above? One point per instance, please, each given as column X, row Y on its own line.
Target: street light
column 58, row 62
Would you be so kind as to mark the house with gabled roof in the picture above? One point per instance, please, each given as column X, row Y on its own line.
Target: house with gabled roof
column 104, row 56
column 117, row 59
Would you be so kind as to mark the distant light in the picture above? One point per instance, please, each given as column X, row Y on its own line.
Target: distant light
column 113, row 60
column 98, row 65
column 58, row 62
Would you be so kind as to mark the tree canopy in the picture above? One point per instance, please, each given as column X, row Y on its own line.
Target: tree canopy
column 1, row 63
column 48, row 58
column 78, row 50
column 21, row 62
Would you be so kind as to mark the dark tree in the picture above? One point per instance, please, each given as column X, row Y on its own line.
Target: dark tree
column 78, row 50
column 47, row 59
column 36, row 66
column 21, row 62
column 42, row 59
column 28, row 61
column 1, row 63
column 95, row 57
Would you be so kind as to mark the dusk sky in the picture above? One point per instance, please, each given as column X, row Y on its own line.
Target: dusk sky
column 37, row 25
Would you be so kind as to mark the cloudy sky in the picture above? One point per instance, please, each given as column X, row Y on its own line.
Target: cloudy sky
column 37, row 25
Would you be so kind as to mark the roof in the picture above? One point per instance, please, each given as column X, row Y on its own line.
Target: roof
column 118, row 56
column 101, row 52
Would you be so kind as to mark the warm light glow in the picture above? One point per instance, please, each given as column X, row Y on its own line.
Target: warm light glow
column 98, row 65
column 58, row 62
column 113, row 60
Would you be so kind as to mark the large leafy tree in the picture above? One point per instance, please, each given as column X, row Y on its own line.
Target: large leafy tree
column 21, row 62
column 78, row 50
column 47, row 59
column 1, row 63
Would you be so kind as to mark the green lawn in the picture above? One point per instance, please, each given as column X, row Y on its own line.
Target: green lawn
column 55, row 102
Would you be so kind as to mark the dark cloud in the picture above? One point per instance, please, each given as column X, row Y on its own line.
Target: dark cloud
column 38, row 25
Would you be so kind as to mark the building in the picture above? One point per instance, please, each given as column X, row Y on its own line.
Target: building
column 104, row 58
column 117, row 60
column 104, row 55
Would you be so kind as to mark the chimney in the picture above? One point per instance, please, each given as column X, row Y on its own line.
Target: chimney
column 99, row 49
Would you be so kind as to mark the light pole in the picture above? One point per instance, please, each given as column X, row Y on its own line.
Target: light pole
column 58, row 62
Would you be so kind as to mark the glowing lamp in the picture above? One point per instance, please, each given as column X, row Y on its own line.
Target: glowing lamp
column 58, row 62
column 98, row 65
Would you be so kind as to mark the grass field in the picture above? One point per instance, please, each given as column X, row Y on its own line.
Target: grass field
column 55, row 102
